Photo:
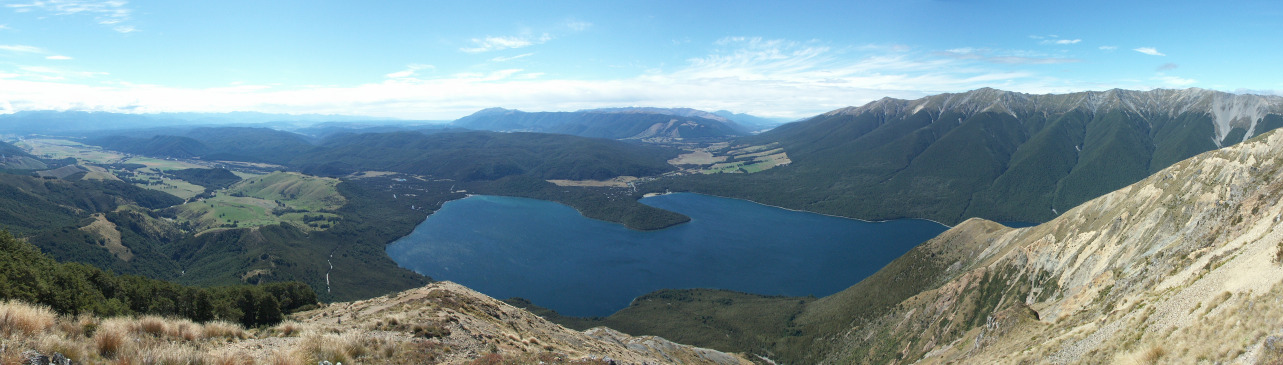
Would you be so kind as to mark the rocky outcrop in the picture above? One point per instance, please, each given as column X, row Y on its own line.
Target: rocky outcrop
column 474, row 325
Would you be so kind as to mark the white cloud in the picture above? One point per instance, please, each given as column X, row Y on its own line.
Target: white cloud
column 1061, row 41
column 105, row 12
column 1005, row 57
column 769, row 77
column 4, row 27
column 58, row 58
column 578, row 26
column 1149, row 51
column 1108, row 48
column 491, row 43
column 1168, row 80
column 409, row 71
column 506, row 59
column 21, row 49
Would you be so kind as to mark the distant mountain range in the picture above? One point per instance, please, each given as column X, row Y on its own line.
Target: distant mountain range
column 49, row 121
column 647, row 124
column 990, row 153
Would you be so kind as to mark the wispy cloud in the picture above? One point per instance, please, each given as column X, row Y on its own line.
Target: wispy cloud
column 578, row 26
column 1149, row 51
column 56, row 73
column 1168, row 80
column 506, row 59
column 1054, row 40
column 492, row 43
column 409, row 71
column 112, row 13
column 1005, row 57
column 1168, row 66
column 4, row 27
column 1061, row 41
column 57, row 58
column 1108, row 48
column 770, row 77
column 21, row 49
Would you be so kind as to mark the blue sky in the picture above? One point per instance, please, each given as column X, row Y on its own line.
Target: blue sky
column 444, row 60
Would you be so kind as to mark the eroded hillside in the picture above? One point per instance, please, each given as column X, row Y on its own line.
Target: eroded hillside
column 1181, row 267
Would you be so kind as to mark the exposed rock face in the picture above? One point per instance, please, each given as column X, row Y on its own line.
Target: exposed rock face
column 473, row 325
column 1181, row 267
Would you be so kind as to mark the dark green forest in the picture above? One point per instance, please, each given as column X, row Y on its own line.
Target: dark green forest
column 951, row 165
column 72, row 288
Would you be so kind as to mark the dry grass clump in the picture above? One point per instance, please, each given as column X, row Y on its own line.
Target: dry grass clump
column 111, row 338
column 223, row 329
column 184, row 329
column 24, row 319
column 289, row 328
column 229, row 357
column 1153, row 355
column 285, row 358
column 171, row 354
column 151, row 325
column 316, row 347
column 60, row 344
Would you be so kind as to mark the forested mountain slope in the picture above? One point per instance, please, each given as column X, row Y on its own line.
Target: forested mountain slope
column 989, row 153
column 1183, row 266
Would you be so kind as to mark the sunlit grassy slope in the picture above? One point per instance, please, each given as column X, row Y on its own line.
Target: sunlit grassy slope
column 267, row 200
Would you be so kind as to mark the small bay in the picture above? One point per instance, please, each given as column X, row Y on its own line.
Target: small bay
column 550, row 254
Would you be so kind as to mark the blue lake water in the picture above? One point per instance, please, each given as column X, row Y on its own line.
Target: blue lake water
column 550, row 254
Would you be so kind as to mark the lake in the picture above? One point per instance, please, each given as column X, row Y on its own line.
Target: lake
column 550, row 254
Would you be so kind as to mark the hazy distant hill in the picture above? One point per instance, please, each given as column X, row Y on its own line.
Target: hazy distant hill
column 14, row 158
column 214, row 143
column 989, row 153
column 626, row 123
column 49, row 121
column 472, row 156
column 753, row 122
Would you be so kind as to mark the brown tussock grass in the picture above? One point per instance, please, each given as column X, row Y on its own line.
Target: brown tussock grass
column 151, row 325
column 54, row 343
column 172, row 354
column 1153, row 355
column 290, row 328
column 228, row 357
column 316, row 347
column 25, row 319
column 223, row 329
column 110, row 340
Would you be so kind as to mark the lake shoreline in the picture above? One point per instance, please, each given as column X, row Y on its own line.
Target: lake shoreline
column 540, row 250
column 651, row 195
